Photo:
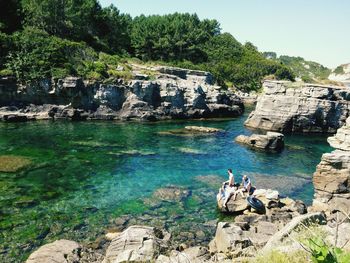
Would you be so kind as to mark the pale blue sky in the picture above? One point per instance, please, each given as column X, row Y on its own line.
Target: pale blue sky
column 317, row 30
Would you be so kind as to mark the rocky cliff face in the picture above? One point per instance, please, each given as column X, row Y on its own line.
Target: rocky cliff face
column 175, row 93
column 332, row 177
column 285, row 107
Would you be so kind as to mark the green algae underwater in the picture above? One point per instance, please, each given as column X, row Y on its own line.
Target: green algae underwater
column 77, row 180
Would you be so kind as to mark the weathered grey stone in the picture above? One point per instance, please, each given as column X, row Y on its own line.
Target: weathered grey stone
column 229, row 238
column 54, row 252
column 189, row 255
column 332, row 177
column 136, row 244
column 309, row 108
column 203, row 129
column 272, row 141
column 176, row 93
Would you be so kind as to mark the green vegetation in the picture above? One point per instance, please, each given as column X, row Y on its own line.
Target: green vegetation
column 307, row 71
column 339, row 70
column 50, row 38
column 321, row 252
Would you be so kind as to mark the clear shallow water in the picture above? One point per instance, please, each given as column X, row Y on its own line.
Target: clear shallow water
column 88, row 174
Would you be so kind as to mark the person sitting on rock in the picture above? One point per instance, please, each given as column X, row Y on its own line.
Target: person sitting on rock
column 231, row 189
column 231, row 180
column 247, row 187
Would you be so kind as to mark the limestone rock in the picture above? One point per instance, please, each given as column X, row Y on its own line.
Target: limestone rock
column 332, row 177
column 272, row 141
column 189, row 255
column 175, row 94
column 203, row 129
column 54, row 252
column 136, row 244
column 309, row 108
column 229, row 238
column 233, row 206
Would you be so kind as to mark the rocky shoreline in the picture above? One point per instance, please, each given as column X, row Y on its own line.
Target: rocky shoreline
column 249, row 234
column 169, row 93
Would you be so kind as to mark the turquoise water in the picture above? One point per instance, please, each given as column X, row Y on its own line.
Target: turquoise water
column 88, row 177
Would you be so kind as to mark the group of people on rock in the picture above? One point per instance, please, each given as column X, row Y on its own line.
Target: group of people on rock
column 229, row 188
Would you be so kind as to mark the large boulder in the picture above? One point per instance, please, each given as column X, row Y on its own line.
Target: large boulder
column 233, row 206
column 287, row 107
column 57, row 251
column 271, row 141
column 136, row 244
column 229, row 238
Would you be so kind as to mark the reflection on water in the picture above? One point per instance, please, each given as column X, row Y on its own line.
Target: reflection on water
column 86, row 177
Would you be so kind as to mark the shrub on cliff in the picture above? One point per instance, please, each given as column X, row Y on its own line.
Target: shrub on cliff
column 34, row 54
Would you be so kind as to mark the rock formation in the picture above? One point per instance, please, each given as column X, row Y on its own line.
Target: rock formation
column 136, row 244
column 64, row 251
column 271, row 141
column 332, row 177
column 286, row 107
column 175, row 93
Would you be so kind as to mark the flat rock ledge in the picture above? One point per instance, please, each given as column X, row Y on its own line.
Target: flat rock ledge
column 271, row 141
column 203, row 129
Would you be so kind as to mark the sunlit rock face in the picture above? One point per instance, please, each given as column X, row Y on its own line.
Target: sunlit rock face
column 174, row 93
column 332, row 176
column 288, row 107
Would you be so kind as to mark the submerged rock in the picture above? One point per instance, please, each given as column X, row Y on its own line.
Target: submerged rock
column 190, row 131
column 203, row 129
column 272, row 141
column 171, row 193
column 189, row 150
column 12, row 163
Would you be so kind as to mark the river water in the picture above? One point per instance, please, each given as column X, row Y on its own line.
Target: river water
column 88, row 177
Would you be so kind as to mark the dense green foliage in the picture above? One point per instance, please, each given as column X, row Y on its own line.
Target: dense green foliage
column 54, row 38
column 324, row 253
column 308, row 71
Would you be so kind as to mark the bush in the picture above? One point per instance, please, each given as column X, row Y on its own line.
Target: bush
column 37, row 55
